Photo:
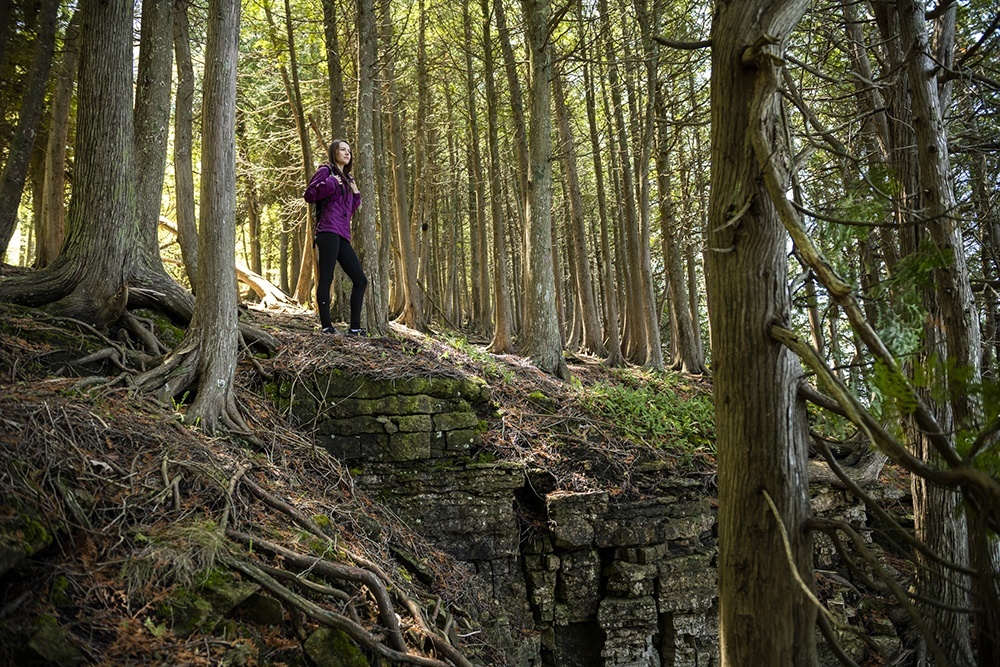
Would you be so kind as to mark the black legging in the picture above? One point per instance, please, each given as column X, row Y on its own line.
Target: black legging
column 335, row 248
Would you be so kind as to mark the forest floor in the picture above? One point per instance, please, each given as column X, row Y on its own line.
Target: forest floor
column 124, row 507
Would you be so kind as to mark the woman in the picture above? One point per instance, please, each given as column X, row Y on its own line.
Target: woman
column 337, row 195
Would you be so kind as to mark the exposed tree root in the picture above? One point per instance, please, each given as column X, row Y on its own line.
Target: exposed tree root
column 369, row 574
column 328, row 618
column 337, row 571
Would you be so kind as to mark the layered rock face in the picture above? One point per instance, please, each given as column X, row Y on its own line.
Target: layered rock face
column 575, row 579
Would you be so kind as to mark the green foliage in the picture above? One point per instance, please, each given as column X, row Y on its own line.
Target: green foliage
column 660, row 409
column 492, row 369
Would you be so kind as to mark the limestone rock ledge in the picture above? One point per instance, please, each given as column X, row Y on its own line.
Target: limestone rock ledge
column 574, row 579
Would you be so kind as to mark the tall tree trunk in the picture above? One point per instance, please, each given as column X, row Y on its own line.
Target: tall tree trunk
column 187, row 226
column 52, row 231
column 215, row 318
column 384, row 227
column 152, row 118
column 688, row 358
column 502, row 342
column 15, row 171
column 576, row 234
column 611, row 319
column 637, row 342
column 764, row 616
column 334, row 70
column 648, row 27
column 418, row 224
column 542, row 342
column 376, row 305
column 206, row 358
column 958, row 326
column 101, row 229
column 304, row 286
column 478, row 226
column 413, row 312
column 520, row 182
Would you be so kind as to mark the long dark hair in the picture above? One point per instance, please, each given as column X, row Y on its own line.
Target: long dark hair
column 333, row 151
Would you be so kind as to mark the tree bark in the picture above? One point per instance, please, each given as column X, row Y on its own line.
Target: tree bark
column 957, row 334
column 52, row 232
column 577, row 235
column 648, row 26
column 101, row 229
column 542, row 341
column 413, row 312
column 764, row 616
column 376, row 306
column 152, row 113
column 611, row 319
column 688, row 356
column 15, row 171
column 187, row 227
column 483, row 306
column 206, row 357
column 502, row 342
column 334, row 70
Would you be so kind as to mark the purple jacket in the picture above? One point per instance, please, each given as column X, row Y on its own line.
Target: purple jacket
column 340, row 202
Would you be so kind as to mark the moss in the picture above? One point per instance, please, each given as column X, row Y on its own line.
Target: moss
column 543, row 403
column 169, row 333
column 59, row 591
column 35, row 534
column 186, row 612
column 328, row 647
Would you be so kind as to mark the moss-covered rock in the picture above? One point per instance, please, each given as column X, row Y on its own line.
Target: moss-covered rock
column 328, row 647
column 261, row 609
column 23, row 537
column 51, row 645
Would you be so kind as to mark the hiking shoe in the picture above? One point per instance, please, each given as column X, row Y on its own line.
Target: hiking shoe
column 328, row 330
column 357, row 332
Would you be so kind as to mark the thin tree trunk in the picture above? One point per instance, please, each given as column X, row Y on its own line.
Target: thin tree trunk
column 335, row 71
column 152, row 117
column 687, row 357
column 502, row 342
column 15, row 171
column 648, row 26
column 376, row 305
column 52, row 231
column 637, row 342
column 577, row 235
column 484, row 311
column 413, row 313
column 187, row 227
column 960, row 330
column 611, row 320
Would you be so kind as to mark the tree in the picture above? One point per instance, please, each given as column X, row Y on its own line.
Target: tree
column 502, row 342
column 592, row 338
column 152, row 111
column 376, row 310
column 542, row 341
column 52, row 231
column 187, row 228
column 101, row 217
column 15, row 170
column 765, row 617
column 206, row 357
column 688, row 356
